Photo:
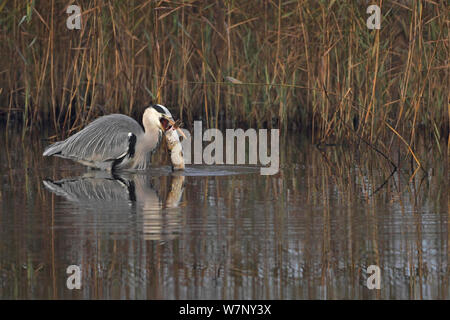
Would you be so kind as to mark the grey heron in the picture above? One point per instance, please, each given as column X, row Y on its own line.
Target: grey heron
column 117, row 142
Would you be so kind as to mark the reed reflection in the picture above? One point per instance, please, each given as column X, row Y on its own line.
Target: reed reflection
column 114, row 201
column 309, row 232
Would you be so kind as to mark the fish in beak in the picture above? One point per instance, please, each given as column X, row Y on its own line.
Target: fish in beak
column 168, row 123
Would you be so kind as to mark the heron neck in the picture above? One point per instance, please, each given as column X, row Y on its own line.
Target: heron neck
column 150, row 138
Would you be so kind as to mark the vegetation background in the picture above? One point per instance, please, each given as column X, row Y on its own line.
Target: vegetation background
column 297, row 65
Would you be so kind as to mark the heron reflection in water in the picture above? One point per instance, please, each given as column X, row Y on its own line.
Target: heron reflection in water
column 153, row 199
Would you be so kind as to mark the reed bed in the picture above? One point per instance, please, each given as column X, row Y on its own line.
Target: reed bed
column 296, row 65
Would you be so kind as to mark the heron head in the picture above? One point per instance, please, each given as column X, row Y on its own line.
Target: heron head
column 159, row 116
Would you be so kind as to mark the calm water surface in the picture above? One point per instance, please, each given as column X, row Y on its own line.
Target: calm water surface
column 225, row 232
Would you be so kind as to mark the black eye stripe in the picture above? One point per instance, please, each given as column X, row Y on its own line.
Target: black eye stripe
column 159, row 109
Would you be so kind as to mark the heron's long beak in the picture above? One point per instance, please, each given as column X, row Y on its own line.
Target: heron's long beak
column 174, row 125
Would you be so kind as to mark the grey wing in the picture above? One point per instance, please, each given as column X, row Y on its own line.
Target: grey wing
column 107, row 139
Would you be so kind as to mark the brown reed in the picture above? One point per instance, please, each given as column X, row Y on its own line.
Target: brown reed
column 297, row 65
